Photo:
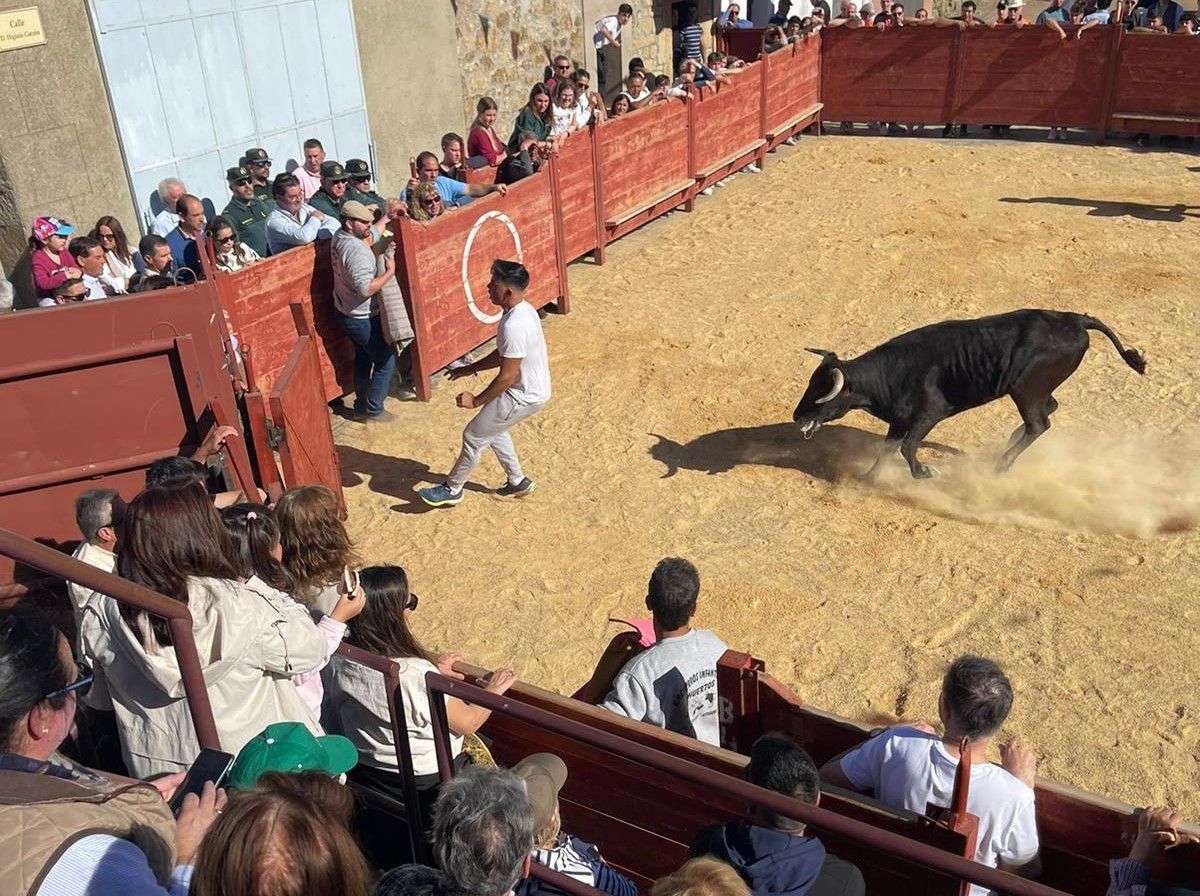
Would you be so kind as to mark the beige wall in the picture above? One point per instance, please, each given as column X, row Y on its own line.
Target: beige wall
column 58, row 146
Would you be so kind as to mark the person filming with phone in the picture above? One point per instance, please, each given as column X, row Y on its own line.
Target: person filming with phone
column 66, row 829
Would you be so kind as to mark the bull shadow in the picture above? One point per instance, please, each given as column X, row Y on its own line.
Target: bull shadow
column 396, row 477
column 1103, row 208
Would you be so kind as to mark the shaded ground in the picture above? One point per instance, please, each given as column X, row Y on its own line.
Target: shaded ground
column 675, row 378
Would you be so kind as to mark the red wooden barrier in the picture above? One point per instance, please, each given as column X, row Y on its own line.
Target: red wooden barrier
column 446, row 268
column 727, row 126
column 792, row 89
column 645, row 164
column 1157, row 85
column 743, row 43
column 259, row 300
column 577, row 204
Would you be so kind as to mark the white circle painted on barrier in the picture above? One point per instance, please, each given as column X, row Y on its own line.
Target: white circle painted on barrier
column 516, row 237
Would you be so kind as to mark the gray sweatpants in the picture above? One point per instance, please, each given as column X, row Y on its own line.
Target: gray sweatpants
column 490, row 427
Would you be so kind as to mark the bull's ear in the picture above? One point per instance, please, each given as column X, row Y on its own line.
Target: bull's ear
column 825, row 355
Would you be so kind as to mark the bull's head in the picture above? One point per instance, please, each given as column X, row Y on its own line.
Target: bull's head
column 827, row 396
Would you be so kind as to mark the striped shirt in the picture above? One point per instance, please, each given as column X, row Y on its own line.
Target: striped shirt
column 689, row 37
column 579, row 860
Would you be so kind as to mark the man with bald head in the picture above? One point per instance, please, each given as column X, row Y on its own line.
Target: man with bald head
column 183, row 240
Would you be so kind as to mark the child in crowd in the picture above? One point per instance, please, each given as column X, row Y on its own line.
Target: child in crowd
column 257, row 554
column 316, row 548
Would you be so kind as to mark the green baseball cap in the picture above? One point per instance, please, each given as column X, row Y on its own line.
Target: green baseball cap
column 291, row 747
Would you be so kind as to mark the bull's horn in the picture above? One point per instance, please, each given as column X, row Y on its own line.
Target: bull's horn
column 839, row 380
column 819, row 351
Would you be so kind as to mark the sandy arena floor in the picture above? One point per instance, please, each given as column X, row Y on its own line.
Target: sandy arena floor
column 669, row 433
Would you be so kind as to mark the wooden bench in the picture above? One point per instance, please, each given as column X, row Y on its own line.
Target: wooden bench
column 676, row 192
column 794, row 123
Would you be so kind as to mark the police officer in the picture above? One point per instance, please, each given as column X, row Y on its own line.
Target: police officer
column 259, row 165
column 246, row 211
column 332, row 194
column 360, row 187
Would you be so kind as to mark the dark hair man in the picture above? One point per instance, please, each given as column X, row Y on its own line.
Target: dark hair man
column 156, row 261
column 453, row 192
column 293, row 222
column 519, row 390
column 247, row 209
column 608, row 34
column 772, row 853
column 89, row 258
column 184, row 239
column 309, row 174
column 673, row 684
column 909, row 767
column 482, row 837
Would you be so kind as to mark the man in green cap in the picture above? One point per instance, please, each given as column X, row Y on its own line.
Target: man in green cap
column 360, row 187
column 246, row 211
column 259, row 165
column 332, row 194
column 291, row 747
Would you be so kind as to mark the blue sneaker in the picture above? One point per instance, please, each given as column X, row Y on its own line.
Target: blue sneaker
column 440, row 496
column 520, row 490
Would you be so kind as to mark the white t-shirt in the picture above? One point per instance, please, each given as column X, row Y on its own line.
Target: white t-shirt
column 907, row 769
column 520, row 336
column 564, row 120
column 614, row 28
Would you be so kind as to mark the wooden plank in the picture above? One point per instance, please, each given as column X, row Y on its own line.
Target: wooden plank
column 577, row 201
column 642, row 154
column 664, row 195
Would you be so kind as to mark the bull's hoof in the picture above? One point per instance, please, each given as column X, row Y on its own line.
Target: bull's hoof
column 924, row 471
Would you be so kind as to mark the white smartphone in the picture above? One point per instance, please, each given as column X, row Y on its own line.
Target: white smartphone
column 349, row 580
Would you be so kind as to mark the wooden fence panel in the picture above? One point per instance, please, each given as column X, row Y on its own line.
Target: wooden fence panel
column 644, row 164
column 447, row 265
column 728, row 125
column 1032, row 77
column 259, row 300
column 793, row 86
column 1158, row 84
column 577, row 195
column 900, row 75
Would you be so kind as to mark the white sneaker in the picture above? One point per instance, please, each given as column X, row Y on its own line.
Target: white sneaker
column 707, row 191
column 753, row 169
column 723, row 181
column 790, row 141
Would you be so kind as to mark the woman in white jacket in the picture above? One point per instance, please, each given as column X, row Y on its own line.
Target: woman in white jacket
column 250, row 643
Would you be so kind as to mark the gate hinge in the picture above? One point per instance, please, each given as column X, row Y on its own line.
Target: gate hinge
column 276, row 435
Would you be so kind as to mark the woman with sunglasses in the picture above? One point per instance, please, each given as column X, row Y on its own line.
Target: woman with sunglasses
column 77, row 831
column 425, row 202
column 232, row 254
column 120, row 264
column 358, row 696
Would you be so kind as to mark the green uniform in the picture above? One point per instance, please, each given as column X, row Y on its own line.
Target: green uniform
column 263, row 190
column 370, row 198
column 323, row 202
column 249, row 219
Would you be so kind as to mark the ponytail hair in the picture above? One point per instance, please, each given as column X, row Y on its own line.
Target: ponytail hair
column 255, row 533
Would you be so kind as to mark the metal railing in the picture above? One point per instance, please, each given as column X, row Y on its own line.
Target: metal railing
column 439, row 687
column 176, row 615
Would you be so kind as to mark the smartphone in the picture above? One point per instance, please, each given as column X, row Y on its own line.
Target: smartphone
column 210, row 765
column 349, row 580
column 412, row 166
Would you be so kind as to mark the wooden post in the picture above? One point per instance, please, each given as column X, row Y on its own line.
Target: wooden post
column 958, row 56
column 563, row 302
column 693, row 97
column 598, row 188
column 737, row 700
column 403, row 236
column 1111, row 73
column 762, row 101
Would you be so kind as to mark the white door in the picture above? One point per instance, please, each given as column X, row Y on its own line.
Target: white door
column 195, row 83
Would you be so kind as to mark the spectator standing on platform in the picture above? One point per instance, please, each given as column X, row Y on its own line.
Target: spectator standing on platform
column 608, row 34
column 356, row 287
column 909, row 767
column 453, row 163
column 518, row 391
column 772, row 853
column 246, row 210
column 258, row 163
column 309, row 174
column 691, row 35
column 1054, row 11
column 732, row 18
column 482, row 837
column 561, row 70
column 52, row 264
column 334, row 181
column 119, row 262
column 89, row 258
column 1100, row 14
column 673, row 684
column 484, row 146
column 231, row 253
column 183, row 240
column 293, row 222
column 360, row 189
column 780, row 16
column 169, row 191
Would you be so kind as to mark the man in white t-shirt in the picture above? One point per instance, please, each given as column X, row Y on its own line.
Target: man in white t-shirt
column 673, row 684
column 608, row 34
column 910, row 767
column 518, row 391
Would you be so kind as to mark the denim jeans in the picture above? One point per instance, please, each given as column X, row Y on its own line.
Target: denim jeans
column 374, row 362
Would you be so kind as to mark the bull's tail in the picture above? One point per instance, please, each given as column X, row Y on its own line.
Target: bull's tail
column 1131, row 355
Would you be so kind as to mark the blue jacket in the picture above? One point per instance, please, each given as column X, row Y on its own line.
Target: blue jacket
column 775, row 863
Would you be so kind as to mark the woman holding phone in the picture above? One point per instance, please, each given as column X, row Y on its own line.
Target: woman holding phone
column 55, row 808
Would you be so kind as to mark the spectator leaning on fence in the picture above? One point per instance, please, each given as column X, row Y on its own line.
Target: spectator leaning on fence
column 453, row 192
column 169, row 191
column 293, row 222
column 246, row 210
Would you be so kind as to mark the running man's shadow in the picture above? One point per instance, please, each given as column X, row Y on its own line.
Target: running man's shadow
column 836, row 451
column 1103, row 208
column 396, row 477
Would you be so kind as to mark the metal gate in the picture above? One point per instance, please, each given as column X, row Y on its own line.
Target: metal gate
column 194, row 83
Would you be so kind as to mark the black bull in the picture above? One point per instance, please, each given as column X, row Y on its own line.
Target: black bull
column 917, row 380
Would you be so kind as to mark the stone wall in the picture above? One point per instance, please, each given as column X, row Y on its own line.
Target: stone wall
column 58, row 145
